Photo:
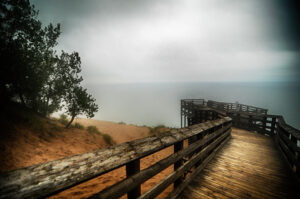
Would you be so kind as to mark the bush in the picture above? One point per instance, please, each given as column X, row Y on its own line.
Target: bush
column 93, row 129
column 78, row 125
column 63, row 119
column 121, row 123
column 157, row 129
column 108, row 139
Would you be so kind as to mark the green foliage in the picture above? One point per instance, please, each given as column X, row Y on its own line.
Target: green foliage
column 157, row 129
column 108, row 139
column 63, row 119
column 78, row 125
column 78, row 101
column 93, row 129
column 121, row 123
column 31, row 71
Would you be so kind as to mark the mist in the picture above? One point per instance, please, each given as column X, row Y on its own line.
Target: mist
column 139, row 58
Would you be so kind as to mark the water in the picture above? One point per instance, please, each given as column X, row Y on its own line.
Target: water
column 159, row 103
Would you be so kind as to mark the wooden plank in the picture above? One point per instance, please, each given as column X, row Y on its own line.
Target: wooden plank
column 245, row 170
column 179, row 189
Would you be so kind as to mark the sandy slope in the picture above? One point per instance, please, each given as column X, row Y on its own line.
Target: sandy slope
column 25, row 148
column 120, row 132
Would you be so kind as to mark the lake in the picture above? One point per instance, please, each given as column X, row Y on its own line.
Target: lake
column 159, row 103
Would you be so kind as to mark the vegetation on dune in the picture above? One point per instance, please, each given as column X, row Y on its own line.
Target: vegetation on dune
column 157, row 129
column 108, row 139
column 93, row 129
column 32, row 72
column 15, row 117
column 63, row 119
column 78, row 125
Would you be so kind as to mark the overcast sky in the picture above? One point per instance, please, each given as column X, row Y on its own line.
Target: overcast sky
column 179, row 40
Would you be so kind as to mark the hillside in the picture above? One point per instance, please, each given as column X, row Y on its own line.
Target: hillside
column 30, row 139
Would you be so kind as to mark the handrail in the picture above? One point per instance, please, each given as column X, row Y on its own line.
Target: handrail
column 45, row 179
column 224, row 106
column 286, row 137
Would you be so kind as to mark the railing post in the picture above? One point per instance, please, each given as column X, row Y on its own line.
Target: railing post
column 131, row 169
column 177, row 147
column 238, row 119
column 264, row 124
column 250, row 122
column 273, row 125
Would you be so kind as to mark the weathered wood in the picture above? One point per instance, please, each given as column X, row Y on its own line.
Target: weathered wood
column 178, row 147
column 289, row 154
column 128, row 184
column 249, row 166
column 288, row 142
column 47, row 178
column 133, row 168
column 257, row 119
column 180, row 188
column 157, row 189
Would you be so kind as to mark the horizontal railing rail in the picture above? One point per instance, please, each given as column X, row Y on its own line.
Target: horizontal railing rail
column 286, row 137
column 224, row 106
column 46, row 179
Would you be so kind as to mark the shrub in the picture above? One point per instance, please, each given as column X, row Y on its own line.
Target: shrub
column 157, row 129
column 108, row 139
column 63, row 119
column 121, row 123
column 78, row 125
column 93, row 129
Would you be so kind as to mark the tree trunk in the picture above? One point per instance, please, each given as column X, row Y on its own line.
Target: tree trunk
column 68, row 125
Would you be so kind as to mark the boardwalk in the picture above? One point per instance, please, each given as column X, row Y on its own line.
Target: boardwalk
column 249, row 166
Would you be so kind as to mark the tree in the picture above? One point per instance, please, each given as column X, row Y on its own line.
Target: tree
column 26, row 52
column 20, row 31
column 31, row 72
column 78, row 102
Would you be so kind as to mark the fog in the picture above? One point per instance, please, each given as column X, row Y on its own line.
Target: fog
column 178, row 41
column 139, row 58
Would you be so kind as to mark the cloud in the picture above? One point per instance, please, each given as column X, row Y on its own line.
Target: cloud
column 146, row 41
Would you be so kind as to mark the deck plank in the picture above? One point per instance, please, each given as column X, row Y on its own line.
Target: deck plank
column 249, row 166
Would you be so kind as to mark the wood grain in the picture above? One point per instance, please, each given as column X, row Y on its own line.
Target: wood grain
column 249, row 166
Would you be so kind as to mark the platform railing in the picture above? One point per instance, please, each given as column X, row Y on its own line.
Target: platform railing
column 286, row 137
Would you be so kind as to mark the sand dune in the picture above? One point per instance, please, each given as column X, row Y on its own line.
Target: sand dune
column 26, row 147
column 120, row 132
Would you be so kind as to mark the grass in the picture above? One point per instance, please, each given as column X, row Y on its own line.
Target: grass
column 157, row 129
column 78, row 125
column 46, row 128
column 63, row 119
column 108, row 139
column 93, row 129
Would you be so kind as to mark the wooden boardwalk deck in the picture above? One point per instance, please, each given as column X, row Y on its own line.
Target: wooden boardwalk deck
column 249, row 166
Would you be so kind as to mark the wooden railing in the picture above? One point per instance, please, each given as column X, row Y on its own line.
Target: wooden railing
column 235, row 107
column 49, row 178
column 286, row 137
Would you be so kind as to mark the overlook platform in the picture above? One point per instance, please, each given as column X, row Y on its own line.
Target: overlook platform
column 248, row 166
